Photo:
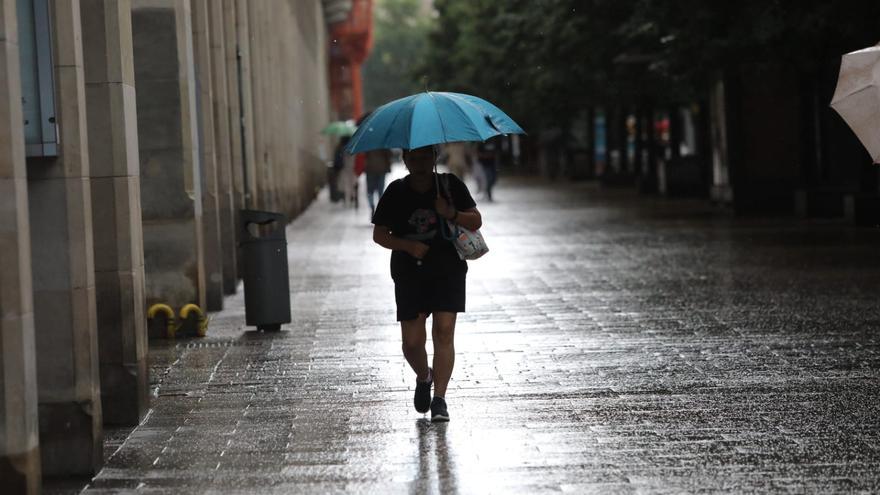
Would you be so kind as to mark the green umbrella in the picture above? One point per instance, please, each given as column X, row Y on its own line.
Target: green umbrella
column 340, row 128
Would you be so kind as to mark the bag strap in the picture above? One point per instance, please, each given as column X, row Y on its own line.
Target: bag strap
column 446, row 224
column 444, row 180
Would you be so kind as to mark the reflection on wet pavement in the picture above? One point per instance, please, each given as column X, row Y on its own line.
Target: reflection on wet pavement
column 612, row 344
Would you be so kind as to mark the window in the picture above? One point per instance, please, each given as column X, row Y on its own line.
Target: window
column 37, row 78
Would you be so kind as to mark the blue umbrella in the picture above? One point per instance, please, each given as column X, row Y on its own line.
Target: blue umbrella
column 431, row 118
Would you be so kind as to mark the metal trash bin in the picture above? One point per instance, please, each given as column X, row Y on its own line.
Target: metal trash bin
column 265, row 272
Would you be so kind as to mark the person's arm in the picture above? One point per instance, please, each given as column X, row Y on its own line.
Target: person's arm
column 382, row 236
column 469, row 219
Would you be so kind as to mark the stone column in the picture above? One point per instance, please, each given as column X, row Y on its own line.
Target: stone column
column 244, row 36
column 312, row 176
column 116, row 209
column 223, row 147
column 253, row 125
column 60, row 204
column 171, row 190
column 260, row 93
column 287, row 55
column 231, row 26
column 208, row 162
column 235, row 117
column 19, row 432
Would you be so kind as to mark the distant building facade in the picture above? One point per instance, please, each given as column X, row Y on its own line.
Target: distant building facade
column 351, row 33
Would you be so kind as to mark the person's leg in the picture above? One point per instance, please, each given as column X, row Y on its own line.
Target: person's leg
column 372, row 187
column 380, row 184
column 333, row 184
column 346, row 176
column 480, row 176
column 413, row 335
column 443, row 333
column 491, row 177
column 369, row 190
column 413, row 332
column 354, row 192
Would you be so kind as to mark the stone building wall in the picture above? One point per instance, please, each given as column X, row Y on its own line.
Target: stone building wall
column 172, row 116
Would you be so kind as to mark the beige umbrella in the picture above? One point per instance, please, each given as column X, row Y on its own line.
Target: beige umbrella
column 857, row 97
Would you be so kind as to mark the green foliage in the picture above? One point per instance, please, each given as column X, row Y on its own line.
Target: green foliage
column 400, row 38
column 544, row 61
column 695, row 40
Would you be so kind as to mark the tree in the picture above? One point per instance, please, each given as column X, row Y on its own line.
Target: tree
column 400, row 40
column 541, row 60
column 547, row 60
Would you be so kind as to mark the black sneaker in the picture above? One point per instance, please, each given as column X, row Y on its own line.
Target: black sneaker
column 438, row 410
column 422, row 397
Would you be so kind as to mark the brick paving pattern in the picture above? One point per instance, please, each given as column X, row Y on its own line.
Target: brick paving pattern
column 613, row 344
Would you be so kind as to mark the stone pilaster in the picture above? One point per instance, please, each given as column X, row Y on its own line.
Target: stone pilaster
column 116, row 209
column 244, row 36
column 59, row 196
column 234, row 96
column 19, row 432
column 167, row 132
column 223, row 147
column 207, row 154
column 259, row 122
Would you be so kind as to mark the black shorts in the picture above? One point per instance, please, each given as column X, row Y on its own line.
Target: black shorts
column 426, row 295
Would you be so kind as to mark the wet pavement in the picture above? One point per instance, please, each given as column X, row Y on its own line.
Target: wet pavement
column 613, row 344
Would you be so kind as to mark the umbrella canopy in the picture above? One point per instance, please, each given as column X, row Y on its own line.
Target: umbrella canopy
column 857, row 97
column 340, row 128
column 431, row 118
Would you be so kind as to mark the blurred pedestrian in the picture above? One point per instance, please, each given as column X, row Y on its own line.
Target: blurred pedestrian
column 487, row 154
column 333, row 171
column 459, row 158
column 347, row 180
column 429, row 277
column 377, row 166
column 479, row 177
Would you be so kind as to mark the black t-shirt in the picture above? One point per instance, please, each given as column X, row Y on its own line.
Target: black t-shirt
column 411, row 215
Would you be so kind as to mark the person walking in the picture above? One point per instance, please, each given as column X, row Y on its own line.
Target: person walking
column 429, row 277
column 334, row 170
column 459, row 158
column 378, row 164
column 487, row 153
column 347, row 180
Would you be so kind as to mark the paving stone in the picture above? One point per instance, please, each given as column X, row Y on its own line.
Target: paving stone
column 612, row 344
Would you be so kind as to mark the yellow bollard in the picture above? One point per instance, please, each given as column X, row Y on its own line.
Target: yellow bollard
column 202, row 329
column 166, row 310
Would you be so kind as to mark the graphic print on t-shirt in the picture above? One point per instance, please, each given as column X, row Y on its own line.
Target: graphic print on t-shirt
column 424, row 222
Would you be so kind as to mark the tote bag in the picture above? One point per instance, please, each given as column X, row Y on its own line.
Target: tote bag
column 469, row 244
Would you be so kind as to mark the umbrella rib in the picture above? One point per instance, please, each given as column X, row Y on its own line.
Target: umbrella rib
column 394, row 121
column 837, row 99
column 479, row 110
column 439, row 117
column 469, row 103
column 366, row 125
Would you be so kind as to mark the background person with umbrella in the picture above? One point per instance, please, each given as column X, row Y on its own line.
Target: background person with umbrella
column 429, row 277
column 342, row 130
